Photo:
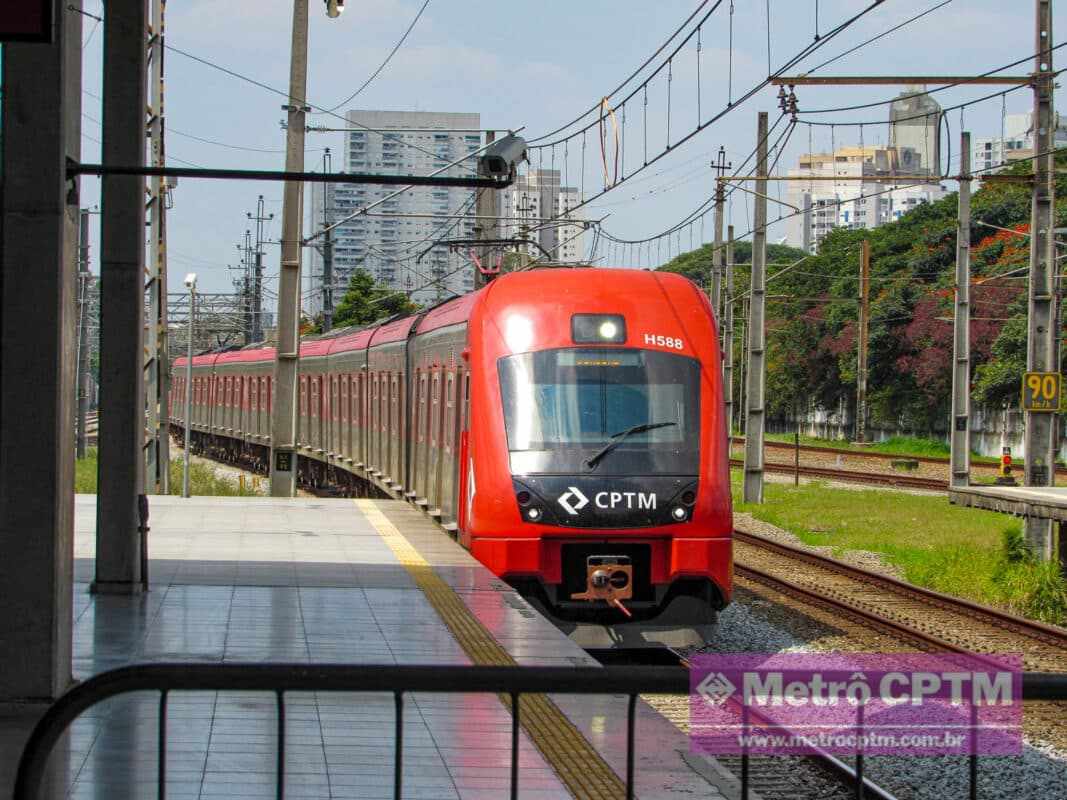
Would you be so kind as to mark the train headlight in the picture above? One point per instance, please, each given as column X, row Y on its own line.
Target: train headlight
column 533, row 514
column 679, row 513
column 598, row 328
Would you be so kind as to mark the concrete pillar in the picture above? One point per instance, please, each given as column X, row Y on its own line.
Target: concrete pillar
column 122, row 298
column 38, row 253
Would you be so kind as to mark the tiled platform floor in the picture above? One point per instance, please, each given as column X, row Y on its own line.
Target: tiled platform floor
column 257, row 579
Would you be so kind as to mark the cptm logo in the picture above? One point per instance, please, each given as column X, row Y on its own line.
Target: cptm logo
column 573, row 494
column 716, row 689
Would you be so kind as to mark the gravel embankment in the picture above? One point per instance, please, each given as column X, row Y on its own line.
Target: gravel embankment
column 761, row 620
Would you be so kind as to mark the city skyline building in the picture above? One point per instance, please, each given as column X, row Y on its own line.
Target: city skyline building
column 393, row 241
column 1015, row 142
column 849, row 203
column 914, row 123
column 539, row 195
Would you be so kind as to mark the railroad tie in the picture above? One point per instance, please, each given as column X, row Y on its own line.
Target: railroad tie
column 579, row 766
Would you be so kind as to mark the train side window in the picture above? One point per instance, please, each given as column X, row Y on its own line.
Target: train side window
column 450, row 404
column 360, row 399
column 466, row 400
column 422, row 408
column 344, row 398
column 253, row 391
column 434, row 408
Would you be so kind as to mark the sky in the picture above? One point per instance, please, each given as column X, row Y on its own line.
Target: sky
column 538, row 66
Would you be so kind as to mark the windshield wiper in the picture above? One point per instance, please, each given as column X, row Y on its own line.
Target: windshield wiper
column 621, row 436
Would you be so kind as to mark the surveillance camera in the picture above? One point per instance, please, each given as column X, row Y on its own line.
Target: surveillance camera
column 501, row 158
column 190, row 280
column 334, row 8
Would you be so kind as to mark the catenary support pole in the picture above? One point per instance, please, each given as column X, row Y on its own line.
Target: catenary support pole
column 82, row 383
column 716, row 253
column 157, row 355
column 960, row 454
column 757, row 365
column 485, row 227
column 257, row 273
column 862, row 342
column 728, row 340
column 1040, row 344
column 122, row 269
column 189, row 389
column 327, row 252
column 283, row 464
column 41, row 108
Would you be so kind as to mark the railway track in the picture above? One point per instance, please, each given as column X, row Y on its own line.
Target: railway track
column 853, row 476
column 870, row 454
column 928, row 619
column 822, row 776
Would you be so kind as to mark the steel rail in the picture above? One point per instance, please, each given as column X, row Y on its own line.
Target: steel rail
column 1049, row 634
column 853, row 476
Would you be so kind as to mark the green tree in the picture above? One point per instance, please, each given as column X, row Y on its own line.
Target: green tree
column 366, row 301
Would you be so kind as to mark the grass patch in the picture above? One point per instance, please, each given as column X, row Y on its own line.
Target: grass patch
column 895, row 445
column 203, row 479
column 959, row 551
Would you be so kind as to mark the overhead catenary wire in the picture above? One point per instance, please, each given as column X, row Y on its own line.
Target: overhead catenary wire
column 381, row 66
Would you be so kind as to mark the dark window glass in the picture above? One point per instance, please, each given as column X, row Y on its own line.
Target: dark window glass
column 563, row 406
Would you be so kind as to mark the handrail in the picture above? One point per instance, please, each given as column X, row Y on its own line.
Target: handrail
column 282, row 678
column 397, row 680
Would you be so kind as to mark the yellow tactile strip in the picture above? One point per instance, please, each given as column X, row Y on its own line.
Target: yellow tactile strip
column 581, row 768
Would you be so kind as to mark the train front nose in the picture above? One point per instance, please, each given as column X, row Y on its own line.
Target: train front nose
column 609, row 503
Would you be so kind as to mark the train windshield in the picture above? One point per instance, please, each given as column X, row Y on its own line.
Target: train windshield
column 601, row 411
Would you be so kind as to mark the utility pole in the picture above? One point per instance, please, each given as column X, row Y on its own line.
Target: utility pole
column 257, row 272
column 157, row 364
column 1041, row 337
column 728, row 340
column 757, row 365
column 327, row 251
column 742, row 382
column 961, row 329
column 485, row 227
column 861, row 344
column 247, row 290
column 83, row 332
column 720, row 166
column 283, row 463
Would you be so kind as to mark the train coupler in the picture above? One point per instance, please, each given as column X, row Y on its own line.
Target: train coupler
column 608, row 578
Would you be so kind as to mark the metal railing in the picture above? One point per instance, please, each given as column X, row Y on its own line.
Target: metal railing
column 279, row 679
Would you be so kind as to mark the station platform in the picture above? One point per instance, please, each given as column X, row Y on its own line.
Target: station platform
column 253, row 580
column 1044, row 502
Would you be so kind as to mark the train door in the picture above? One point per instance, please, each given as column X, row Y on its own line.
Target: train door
column 344, row 434
column 395, row 470
column 335, row 422
column 374, row 424
column 450, row 439
column 253, row 407
column 433, row 472
column 357, row 418
column 302, row 423
column 421, row 481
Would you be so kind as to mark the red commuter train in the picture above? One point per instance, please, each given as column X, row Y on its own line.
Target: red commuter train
column 566, row 425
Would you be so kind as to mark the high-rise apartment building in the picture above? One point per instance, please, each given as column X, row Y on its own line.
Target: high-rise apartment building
column 1015, row 143
column 526, row 207
column 389, row 240
column 849, row 202
column 913, row 123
